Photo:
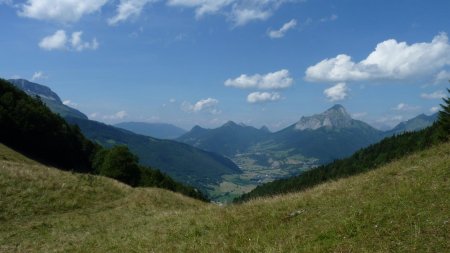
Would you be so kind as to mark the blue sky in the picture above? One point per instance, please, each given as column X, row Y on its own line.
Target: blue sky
column 259, row 62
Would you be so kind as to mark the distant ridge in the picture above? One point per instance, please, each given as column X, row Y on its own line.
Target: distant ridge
column 49, row 97
column 414, row 124
column 156, row 130
column 228, row 139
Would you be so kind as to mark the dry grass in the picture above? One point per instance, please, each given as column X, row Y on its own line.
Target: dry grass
column 401, row 207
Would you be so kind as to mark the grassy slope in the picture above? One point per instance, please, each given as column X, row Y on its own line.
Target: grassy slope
column 401, row 207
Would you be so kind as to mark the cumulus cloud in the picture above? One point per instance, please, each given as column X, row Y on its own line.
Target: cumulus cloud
column 206, row 105
column 337, row 92
column 39, row 75
column 60, row 41
column 405, row 107
column 434, row 95
column 127, row 9
column 61, row 10
column 275, row 80
column 262, row 97
column 390, row 60
column 57, row 41
column 79, row 45
column 276, row 34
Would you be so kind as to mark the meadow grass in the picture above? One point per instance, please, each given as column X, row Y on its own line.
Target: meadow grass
column 401, row 207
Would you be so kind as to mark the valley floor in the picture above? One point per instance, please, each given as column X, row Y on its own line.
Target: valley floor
column 401, row 207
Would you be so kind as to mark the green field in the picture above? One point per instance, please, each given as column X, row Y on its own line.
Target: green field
column 401, row 207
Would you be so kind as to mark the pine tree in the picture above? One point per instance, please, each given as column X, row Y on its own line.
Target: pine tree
column 444, row 117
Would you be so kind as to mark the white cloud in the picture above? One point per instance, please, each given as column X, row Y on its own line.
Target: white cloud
column 337, row 92
column 275, row 80
column 442, row 77
column 208, row 105
column 172, row 100
column 242, row 16
column 434, row 95
column 239, row 12
column 60, row 10
column 79, row 45
column 405, row 107
column 202, row 7
column 127, row 9
column 275, row 34
column 38, row 76
column 57, row 41
column 60, row 41
column 390, row 60
column 118, row 115
column 262, row 97
column 434, row 109
column 70, row 103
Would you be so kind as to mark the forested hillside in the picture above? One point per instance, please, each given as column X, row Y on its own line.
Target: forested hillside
column 28, row 126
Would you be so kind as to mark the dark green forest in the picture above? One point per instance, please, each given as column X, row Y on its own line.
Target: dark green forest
column 28, row 126
column 366, row 159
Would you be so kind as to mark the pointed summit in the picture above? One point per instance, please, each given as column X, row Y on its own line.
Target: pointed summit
column 230, row 123
column 197, row 128
column 337, row 110
column 335, row 117
column 265, row 129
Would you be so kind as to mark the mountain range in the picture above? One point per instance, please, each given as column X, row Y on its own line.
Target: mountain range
column 234, row 158
column 326, row 136
column 417, row 123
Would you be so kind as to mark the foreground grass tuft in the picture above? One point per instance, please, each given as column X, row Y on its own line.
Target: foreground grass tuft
column 401, row 207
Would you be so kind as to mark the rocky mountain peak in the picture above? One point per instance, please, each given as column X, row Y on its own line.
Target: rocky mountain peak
column 335, row 117
column 34, row 89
